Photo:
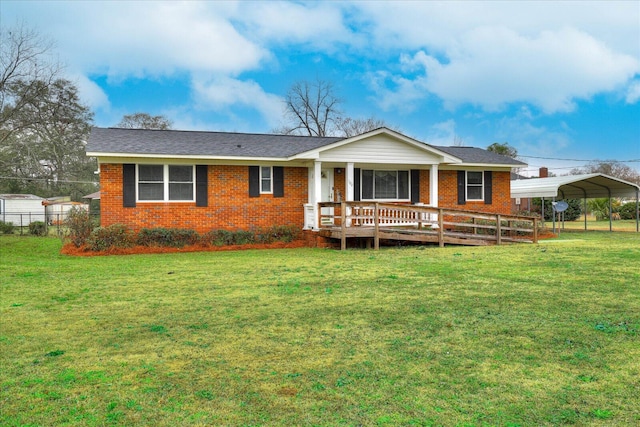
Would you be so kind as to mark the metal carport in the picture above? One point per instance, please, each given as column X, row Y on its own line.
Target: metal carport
column 587, row 186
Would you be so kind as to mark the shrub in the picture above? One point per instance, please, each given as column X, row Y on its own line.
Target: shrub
column 628, row 211
column 572, row 213
column 217, row 238
column 38, row 228
column 113, row 236
column 600, row 208
column 226, row 238
column 173, row 237
column 278, row 233
column 80, row 226
column 6, row 227
column 242, row 237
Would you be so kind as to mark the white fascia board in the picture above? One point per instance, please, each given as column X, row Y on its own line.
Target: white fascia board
column 481, row 166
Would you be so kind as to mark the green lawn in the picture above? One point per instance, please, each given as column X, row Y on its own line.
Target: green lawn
column 592, row 224
column 524, row 335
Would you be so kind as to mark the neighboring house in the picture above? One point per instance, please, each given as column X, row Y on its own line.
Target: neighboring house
column 218, row 180
column 21, row 209
column 57, row 208
column 525, row 204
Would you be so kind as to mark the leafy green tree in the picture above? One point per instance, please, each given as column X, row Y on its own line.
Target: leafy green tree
column 503, row 148
column 44, row 150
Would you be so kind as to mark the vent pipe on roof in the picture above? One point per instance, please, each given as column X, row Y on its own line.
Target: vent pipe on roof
column 544, row 172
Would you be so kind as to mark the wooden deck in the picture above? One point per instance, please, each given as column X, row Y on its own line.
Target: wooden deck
column 415, row 223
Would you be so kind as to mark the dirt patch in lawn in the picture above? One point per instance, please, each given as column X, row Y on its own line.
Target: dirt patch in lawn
column 71, row 249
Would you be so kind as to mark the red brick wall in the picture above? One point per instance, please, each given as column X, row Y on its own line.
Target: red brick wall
column 230, row 206
column 501, row 194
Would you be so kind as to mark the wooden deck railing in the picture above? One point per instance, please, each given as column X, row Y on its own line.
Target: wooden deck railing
column 423, row 223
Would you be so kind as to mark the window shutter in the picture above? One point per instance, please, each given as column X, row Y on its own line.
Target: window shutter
column 129, row 185
column 254, row 181
column 356, row 185
column 488, row 190
column 202, row 186
column 462, row 187
column 367, row 184
column 278, row 181
column 415, row 186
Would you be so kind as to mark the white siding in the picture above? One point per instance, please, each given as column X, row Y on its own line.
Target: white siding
column 380, row 149
column 21, row 212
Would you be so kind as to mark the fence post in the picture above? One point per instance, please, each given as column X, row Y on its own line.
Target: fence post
column 440, row 228
column 498, row 230
column 343, row 226
column 535, row 230
column 376, row 227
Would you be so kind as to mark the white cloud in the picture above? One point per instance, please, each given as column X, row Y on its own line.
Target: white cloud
column 442, row 134
column 91, row 93
column 141, row 39
column 317, row 24
column 633, row 92
column 547, row 54
column 531, row 139
column 224, row 93
column 495, row 66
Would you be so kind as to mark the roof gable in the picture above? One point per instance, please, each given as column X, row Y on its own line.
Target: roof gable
column 380, row 146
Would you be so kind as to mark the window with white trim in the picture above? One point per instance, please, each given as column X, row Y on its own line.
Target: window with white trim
column 161, row 183
column 475, row 185
column 385, row 184
column 266, row 180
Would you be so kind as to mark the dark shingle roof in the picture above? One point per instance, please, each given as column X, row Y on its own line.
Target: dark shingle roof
column 243, row 145
column 195, row 143
column 476, row 155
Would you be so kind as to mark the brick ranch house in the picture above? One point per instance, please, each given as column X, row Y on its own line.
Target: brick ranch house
column 218, row 180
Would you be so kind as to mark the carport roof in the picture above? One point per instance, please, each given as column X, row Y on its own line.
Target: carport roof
column 587, row 186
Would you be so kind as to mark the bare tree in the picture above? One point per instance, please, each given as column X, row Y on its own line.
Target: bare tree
column 611, row 168
column 312, row 108
column 26, row 70
column 144, row 121
column 348, row 127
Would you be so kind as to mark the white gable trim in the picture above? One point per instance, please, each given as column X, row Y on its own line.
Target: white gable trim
column 443, row 157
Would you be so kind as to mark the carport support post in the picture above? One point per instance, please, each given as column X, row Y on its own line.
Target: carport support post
column 637, row 211
column 610, row 213
column 585, row 213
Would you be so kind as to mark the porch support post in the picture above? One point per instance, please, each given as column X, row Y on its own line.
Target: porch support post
column 349, row 174
column 433, row 186
column 317, row 191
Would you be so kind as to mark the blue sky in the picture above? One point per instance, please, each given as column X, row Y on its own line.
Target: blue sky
column 559, row 81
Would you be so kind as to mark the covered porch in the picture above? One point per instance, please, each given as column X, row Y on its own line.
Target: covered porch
column 331, row 183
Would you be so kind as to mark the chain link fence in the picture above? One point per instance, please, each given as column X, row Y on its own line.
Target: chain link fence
column 54, row 224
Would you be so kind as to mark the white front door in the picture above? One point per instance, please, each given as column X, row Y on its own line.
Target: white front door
column 326, row 195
